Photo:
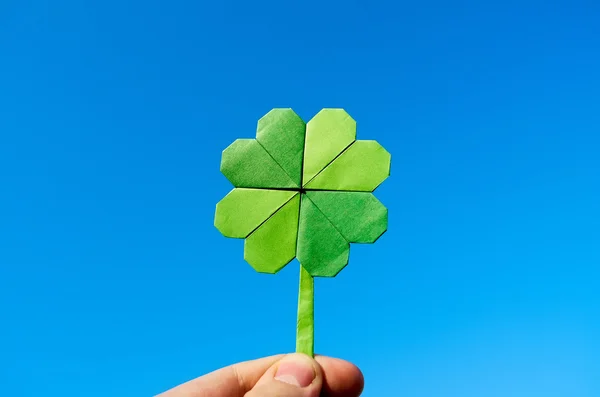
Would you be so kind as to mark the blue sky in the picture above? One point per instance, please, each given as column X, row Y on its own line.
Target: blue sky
column 113, row 115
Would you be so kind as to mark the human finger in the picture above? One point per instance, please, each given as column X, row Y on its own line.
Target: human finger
column 295, row 375
column 232, row 381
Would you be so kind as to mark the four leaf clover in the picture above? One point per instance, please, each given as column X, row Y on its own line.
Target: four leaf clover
column 303, row 191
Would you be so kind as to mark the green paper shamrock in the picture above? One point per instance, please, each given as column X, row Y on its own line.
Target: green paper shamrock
column 304, row 191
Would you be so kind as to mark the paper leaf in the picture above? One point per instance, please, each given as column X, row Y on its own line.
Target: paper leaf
column 281, row 133
column 361, row 167
column 358, row 216
column 327, row 135
column 247, row 164
column 273, row 245
column 322, row 250
column 243, row 210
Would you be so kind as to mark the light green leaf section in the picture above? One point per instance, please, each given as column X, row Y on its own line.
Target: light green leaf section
column 322, row 250
column 247, row 164
column 362, row 167
column 358, row 216
column 273, row 245
column 281, row 133
column 243, row 210
column 305, row 330
column 327, row 135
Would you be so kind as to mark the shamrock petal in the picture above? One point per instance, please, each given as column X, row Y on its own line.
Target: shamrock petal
column 281, row 133
column 327, row 135
column 273, row 245
column 358, row 216
column 247, row 164
column 322, row 250
column 361, row 167
column 243, row 210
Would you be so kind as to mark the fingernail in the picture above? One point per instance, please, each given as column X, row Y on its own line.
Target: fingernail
column 297, row 370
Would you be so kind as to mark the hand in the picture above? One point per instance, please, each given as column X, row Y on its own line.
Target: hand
column 292, row 375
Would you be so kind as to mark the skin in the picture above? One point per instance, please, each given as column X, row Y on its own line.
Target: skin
column 292, row 375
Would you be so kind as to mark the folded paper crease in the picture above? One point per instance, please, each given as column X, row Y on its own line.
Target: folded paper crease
column 361, row 167
column 328, row 133
column 281, row 132
column 273, row 244
column 243, row 210
column 358, row 216
column 247, row 164
column 321, row 249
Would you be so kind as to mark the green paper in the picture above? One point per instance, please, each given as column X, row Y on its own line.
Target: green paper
column 358, row 216
column 315, row 223
column 273, row 244
column 322, row 250
column 305, row 329
column 247, row 164
column 327, row 135
column 362, row 167
column 243, row 210
column 281, row 133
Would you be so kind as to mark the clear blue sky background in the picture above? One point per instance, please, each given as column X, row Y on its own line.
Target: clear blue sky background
column 113, row 115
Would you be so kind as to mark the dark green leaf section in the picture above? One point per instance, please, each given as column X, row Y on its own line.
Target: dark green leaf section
column 281, row 132
column 358, row 216
column 322, row 250
column 247, row 164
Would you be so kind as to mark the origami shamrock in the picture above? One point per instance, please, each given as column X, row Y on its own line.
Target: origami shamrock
column 304, row 191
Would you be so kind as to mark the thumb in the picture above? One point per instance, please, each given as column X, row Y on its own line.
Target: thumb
column 295, row 375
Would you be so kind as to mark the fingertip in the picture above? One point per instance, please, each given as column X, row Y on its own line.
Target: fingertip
column 295, row 375
column 340, row 378
column 298, row 369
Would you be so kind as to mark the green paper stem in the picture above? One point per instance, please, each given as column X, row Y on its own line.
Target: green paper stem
column 305, row 336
